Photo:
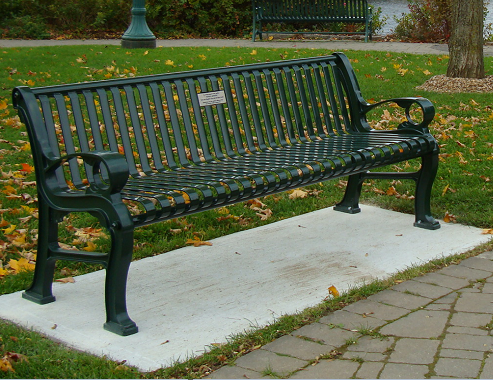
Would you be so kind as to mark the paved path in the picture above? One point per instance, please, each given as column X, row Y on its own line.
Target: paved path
column 437, row 325
column 335, row 45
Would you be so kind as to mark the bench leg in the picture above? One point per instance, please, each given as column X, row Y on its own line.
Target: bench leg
column 424, row 185
column 117, row 319
column 40, row 290
column 350, row 202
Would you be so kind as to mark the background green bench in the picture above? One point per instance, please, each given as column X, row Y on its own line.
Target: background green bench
column 312, row 11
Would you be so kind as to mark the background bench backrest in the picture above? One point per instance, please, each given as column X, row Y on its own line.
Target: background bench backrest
column 177, row 119
column 344, row 10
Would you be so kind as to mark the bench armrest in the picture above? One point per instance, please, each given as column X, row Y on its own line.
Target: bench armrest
column 116, row 168
column 426, row 106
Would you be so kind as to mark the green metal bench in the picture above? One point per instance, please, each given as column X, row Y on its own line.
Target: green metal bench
column 312, row 11
column 136, row 151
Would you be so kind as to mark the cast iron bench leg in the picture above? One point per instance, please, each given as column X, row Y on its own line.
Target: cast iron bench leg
column 350, row 202
column 424, row 185
column 117, row 319
column 40, row 289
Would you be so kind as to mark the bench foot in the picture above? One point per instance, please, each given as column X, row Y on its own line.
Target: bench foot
column 350, row 202
column 429, row 223
column 124, row 328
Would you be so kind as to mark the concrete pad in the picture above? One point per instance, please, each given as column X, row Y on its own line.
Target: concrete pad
column 187, row 299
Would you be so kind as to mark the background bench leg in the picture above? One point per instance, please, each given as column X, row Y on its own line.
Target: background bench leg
column 350, row 202
column 40, row 290
column 117, row 319
column 424, row 185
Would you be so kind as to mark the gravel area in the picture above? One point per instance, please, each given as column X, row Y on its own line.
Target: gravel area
column 442, row 83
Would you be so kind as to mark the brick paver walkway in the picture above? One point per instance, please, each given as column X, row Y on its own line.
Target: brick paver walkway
column 436, row 326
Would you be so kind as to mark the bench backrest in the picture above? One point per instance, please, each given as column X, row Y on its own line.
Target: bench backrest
column 299, row 10
column 168, row 121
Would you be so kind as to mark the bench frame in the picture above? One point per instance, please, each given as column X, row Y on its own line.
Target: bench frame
column 307, row 152
column 321, row 11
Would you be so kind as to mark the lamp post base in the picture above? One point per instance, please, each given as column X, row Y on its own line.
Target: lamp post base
column 138, row 44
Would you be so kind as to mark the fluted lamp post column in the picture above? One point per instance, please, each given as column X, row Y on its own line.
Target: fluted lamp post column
column 138, row 34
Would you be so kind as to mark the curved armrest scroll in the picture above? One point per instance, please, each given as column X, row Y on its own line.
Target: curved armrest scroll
column 426, row 106
column 115, row 164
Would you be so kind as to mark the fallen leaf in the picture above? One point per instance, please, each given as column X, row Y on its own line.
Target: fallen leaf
column 20, row 265
column 197, row 242
column 298, row 193
column 66, row 280
column 333, row 291
column 449, row 218
column 487, row 231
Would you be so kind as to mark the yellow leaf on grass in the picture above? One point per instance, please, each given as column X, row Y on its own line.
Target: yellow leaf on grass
column 197, row 242
column 9, row 230
column 3, row 104
column 91, row 247
column 20, row 265
column 333, row 291
column 20, row 240
column 298, row 193
column 5, row 365
column 3, row 272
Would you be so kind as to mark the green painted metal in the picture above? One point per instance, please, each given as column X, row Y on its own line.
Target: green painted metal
column 313, row 11
column 138, row 34
column 136, row 151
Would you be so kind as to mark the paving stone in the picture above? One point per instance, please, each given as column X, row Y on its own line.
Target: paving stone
column 376, row 310
column 487, row 372
column 486, row 255
column 466, row 330
column 414, row 351
column 468, row 342
column 461, row 354
column 470, row 290
column 487, row 288
column 422, row 289
column 352, row 321
column 470, row 319
column 461, row 271
column 420, row 324
column 439, row 307
column 332, row 336
column 478, row 263
column 448, row 299
column 328, row 369
column 298, row 348
column 475, row 303
column 461, row 368
column 260, row 360
column 404, row 300
column 443, row 280
column 369, row 370
column 372, row 344
column 365, row 356
column 404, row 371
column 234, row 372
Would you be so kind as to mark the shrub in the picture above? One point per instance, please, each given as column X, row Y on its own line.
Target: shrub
column 428, row 21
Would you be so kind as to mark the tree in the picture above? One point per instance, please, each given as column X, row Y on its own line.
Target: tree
column 466, row 40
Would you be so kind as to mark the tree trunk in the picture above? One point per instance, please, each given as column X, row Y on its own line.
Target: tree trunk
column 466, row 40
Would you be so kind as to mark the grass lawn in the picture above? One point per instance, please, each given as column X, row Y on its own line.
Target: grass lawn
column 463, row 190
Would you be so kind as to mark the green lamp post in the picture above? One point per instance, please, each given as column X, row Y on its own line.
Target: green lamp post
column 138, row 34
